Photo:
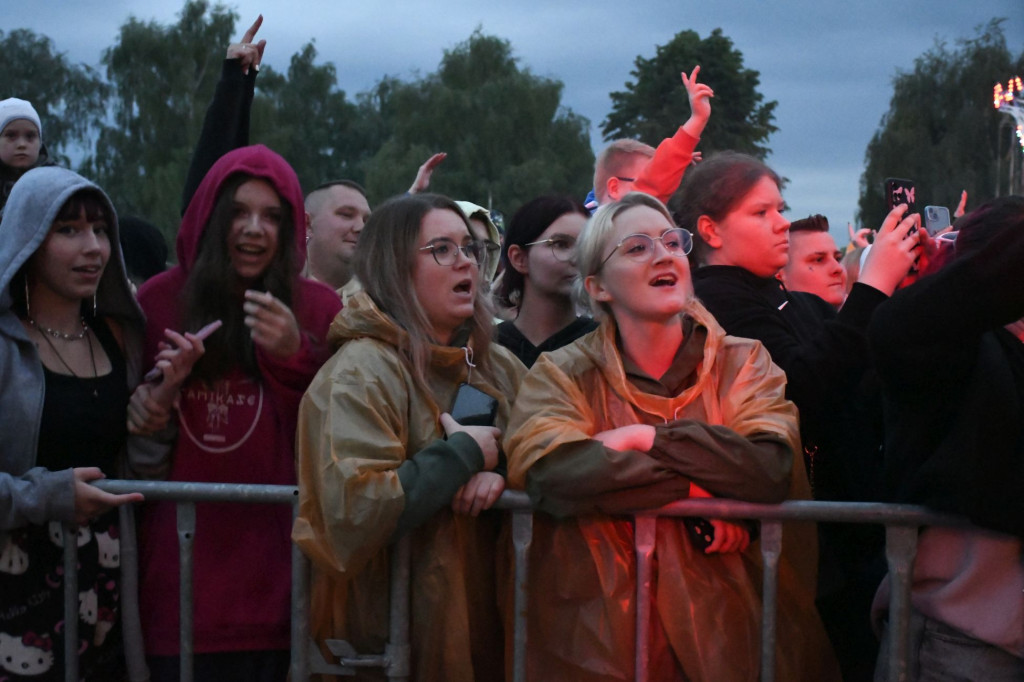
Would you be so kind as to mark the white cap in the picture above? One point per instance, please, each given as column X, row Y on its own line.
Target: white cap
column 13, row 109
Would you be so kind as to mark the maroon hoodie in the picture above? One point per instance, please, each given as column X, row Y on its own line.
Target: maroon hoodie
column 237, row 430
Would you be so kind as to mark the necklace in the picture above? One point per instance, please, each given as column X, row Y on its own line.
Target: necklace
column 92, row 356
column 59, row 334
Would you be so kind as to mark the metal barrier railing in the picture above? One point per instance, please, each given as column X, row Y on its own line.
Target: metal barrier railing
column 902, row 524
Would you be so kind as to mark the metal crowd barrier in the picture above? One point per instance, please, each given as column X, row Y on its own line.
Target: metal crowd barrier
column 902, row 524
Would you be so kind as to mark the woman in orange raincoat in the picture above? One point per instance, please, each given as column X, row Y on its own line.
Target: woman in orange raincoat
column 656, row 405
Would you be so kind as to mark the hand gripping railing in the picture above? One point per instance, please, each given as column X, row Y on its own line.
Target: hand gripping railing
column 902, row 523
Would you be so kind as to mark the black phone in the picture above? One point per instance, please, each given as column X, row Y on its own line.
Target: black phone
column 900, row 191
column 473, row 407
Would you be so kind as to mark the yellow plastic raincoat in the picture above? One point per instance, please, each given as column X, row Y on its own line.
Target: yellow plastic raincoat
column 705, row 608
column 363, row 416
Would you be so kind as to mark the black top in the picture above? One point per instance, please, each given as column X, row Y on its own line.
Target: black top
column 828, row 369
column 953, row 381
column 84, row 418
column 508, row 335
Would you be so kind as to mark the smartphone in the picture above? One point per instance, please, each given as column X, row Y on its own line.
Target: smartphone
column 473, row 407
column 936, row 218
column 900, row 191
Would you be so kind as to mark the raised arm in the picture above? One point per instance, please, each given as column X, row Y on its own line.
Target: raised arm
column 226, row 125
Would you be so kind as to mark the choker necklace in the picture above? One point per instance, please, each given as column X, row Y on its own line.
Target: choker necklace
column 92, row 357
column 58, row 334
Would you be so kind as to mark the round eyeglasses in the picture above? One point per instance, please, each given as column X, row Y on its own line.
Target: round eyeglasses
column 562, row 248
column 446, row 252
column 640, row 247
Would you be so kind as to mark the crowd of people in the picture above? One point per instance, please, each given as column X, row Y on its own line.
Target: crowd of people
column 671, row 336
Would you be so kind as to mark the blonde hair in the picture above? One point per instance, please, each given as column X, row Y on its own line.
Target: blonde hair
column 594, row 240
column 614, row 159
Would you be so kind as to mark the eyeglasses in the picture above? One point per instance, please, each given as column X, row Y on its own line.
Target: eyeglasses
column 622, row 179
column 446, row 252
column 562, row 248
column 640, row 247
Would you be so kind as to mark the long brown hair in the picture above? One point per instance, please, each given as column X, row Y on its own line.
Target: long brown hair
column 387, row 249
column 213, row 290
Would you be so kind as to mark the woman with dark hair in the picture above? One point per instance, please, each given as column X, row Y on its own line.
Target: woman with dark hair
column 539, row 262
column 70, row 352
column 733, row 205
column 235, row 396
column 657, row 405
column 380, row 455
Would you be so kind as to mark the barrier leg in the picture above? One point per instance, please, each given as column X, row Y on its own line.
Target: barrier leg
column 186, row 537
column 522, row 537
column 771, row 549
column 644, row 539
column 900, row 550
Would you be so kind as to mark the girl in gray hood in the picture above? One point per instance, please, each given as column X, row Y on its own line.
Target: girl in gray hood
column 70, row 339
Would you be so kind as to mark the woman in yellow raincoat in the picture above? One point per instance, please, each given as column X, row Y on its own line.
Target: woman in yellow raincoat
column 656, row 405
column 374, row 460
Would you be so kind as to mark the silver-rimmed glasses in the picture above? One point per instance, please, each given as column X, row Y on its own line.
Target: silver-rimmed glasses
column 640, row 247
column 446, row 252
column 563, row 248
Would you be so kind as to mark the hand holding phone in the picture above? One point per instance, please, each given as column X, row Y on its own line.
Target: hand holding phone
column 156, row 375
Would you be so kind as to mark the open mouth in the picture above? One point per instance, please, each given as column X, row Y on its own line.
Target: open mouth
column 463, row 287
column 666, row 280
column 88, row 269
column 251, row 249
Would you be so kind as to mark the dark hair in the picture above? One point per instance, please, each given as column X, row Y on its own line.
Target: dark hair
column 144, row 248
column 213, row 290
column 387, row 248
column 813, row 223
column 95, row 207
column 992, row 217
column 713, row 188
column 526, row 226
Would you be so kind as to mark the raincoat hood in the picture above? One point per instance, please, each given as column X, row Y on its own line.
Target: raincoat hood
column 31, row 208
column 257, row 161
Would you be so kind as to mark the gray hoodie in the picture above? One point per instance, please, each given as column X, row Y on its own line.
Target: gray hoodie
column 31, row 494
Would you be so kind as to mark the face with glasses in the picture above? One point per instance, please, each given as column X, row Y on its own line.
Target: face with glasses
column 548, row 263
column 645, row 273
column 445, row 272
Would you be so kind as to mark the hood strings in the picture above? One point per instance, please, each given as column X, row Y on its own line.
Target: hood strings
column 469, row 361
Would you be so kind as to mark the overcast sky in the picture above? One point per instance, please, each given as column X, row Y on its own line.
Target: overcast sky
column 828, row 64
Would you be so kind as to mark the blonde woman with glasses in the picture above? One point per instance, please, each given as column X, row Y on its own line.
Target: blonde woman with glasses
column 657, row 405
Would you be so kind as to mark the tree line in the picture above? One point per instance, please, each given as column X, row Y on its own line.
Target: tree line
column 507, row 132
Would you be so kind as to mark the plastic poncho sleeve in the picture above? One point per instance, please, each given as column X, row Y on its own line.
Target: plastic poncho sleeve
column 725, row 463
column 551, row 418
column 352, row 440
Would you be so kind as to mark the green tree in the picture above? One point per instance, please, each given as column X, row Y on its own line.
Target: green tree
column 507, row 135
column 163, row 78
column 70, row 98
column 941, row 129
column 654, row 104
column 308, row 119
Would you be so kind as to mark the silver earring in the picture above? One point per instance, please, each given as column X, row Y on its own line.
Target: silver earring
column 28, row 308
column 94, row 304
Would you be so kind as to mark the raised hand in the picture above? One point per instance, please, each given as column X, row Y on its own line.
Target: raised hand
column 272, row 324
column 423, row 175
column 700, row 102
column 250, row 54
column 893, row 252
